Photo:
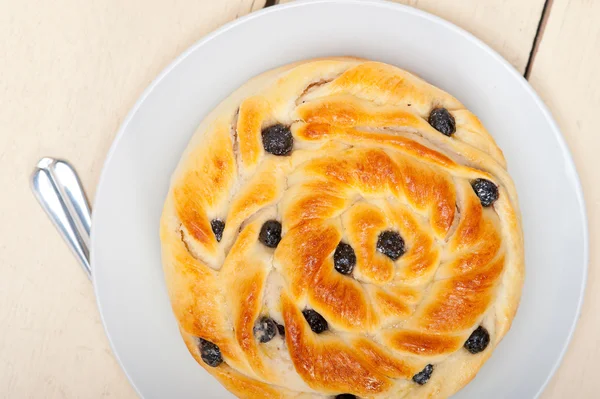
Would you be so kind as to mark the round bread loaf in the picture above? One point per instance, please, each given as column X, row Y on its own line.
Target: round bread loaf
column 341, row 228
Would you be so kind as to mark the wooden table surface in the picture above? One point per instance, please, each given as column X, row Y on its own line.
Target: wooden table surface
column 70, row 70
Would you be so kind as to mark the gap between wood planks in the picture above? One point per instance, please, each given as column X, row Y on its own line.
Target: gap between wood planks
column 534, row 45
column 538, row 37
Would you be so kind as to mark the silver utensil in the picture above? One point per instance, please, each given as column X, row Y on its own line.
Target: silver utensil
column 59, row 191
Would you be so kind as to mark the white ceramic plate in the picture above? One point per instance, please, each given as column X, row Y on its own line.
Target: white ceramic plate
column 128, row 276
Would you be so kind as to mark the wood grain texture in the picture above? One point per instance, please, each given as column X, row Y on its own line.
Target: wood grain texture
column 70, row 70
column 508, row 26
column 566, row 74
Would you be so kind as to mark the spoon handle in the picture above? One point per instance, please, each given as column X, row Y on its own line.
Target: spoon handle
column 60, row 193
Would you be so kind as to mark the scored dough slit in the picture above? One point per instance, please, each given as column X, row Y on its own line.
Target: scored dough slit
column 185, row 240
column 235, row 139
column 311, row 87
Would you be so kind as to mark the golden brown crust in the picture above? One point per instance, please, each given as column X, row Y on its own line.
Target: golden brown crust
column 364, row 160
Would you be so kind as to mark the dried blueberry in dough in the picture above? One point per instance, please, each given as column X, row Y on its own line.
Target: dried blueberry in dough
column 210, row 353
column 391, row 244
column 345, row 396
column 424, row 375
column 478, row 341
column 442, row 121
column 316, row 322
column 486, row 190
column 344, row 258
column 270, row 233
column 218, row 226
column 281, row 330
column 265, row 329
column 278, row 139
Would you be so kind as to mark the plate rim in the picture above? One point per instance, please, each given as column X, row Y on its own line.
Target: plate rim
column 555, row 130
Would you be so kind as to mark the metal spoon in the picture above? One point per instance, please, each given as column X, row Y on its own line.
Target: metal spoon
column 59, row 191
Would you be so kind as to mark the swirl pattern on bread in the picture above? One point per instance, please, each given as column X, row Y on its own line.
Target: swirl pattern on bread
column 340, row 226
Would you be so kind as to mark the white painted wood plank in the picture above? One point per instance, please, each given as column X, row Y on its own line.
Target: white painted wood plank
column 566, row 73
column 508, row 26
column 70, row 70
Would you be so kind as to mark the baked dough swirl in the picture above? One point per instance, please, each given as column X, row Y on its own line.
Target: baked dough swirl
column 340, row 227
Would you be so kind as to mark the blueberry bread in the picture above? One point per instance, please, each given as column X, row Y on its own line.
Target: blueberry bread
column 341, row 228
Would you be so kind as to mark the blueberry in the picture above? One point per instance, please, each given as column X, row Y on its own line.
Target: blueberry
column 217, row 227
column 424, row 375
column 442, row 121
column 265, row 329
column 281, row 330
column 316, row 322
column 278, row 139
column 390, row 244
column 345, row 396
column 478, row 341
column 485, row 190
column 344, row 258
column 270, row 233
column 210, row 353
